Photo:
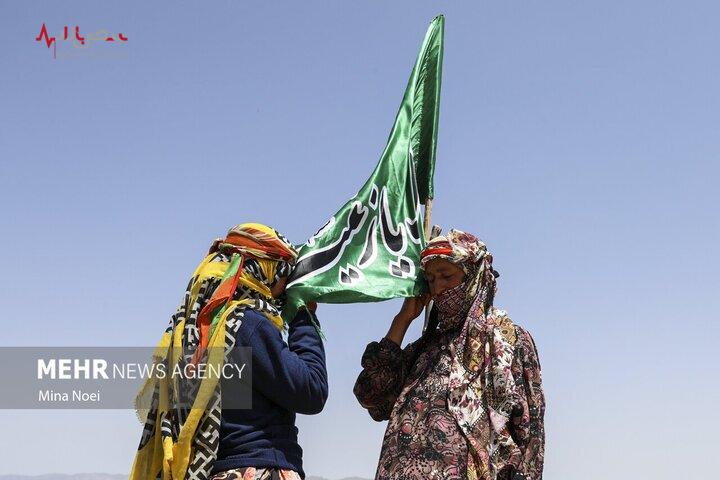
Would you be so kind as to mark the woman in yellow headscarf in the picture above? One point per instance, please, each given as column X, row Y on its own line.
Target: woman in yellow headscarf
column 233, row 300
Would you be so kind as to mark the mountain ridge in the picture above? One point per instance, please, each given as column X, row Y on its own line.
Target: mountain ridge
column 111, row 476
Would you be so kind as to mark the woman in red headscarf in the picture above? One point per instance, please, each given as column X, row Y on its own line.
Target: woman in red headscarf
column 465, row 400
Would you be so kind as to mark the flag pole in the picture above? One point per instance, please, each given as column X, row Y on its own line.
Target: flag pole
column 426, row 224
column 427, row 229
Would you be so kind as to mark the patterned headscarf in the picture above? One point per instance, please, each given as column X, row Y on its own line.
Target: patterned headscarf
column 470, row 254
column 462, row 249
column 238, row 273
column 483, row 349
column 258, row 257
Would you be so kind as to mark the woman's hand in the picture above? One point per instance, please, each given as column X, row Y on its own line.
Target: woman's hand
column 410, row 310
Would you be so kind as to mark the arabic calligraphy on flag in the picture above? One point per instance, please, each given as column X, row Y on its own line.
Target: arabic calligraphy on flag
column 370, row 249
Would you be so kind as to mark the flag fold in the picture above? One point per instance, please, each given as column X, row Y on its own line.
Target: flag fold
column 370, row 249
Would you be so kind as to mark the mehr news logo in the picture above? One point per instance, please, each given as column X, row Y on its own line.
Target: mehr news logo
column 98, row 368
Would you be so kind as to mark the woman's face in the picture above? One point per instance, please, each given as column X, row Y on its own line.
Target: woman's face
column 279, row 287
column 441, row 275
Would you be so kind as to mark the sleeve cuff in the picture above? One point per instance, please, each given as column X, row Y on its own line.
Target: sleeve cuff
column 384, row 353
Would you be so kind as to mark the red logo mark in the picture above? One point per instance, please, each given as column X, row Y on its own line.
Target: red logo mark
column 98, row 36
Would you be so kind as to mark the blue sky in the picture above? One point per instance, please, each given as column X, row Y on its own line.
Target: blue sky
column 579, row 140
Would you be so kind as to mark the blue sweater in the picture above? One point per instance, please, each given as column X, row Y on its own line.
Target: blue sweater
column 287, row 378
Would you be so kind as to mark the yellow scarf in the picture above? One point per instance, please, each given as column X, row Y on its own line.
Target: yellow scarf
column 169, row 447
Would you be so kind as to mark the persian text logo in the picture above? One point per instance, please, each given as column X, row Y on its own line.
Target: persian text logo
column 81, row 42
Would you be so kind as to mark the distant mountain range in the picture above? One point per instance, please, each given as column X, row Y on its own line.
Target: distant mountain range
column 61, row 476
column 107, row 476
column 346, row 478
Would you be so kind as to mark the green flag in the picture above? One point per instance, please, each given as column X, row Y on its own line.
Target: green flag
column 370, row 249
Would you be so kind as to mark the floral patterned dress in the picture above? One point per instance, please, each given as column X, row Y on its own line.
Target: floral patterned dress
column 252, row 473
column 423, row 439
